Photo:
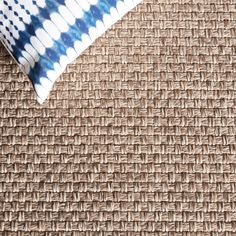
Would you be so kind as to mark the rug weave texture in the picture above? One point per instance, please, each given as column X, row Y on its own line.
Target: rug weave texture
column 138, row 136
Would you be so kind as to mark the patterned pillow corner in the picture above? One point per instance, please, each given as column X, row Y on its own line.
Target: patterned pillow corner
column 44, row 36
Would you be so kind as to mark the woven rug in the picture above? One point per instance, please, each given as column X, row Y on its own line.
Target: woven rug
column 138, row 136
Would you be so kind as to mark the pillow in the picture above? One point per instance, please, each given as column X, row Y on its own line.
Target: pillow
column 44, row 36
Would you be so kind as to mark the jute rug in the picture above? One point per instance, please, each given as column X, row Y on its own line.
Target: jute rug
column 138, row 136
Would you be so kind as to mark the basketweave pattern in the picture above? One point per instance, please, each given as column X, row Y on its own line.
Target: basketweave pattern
column 138, row 137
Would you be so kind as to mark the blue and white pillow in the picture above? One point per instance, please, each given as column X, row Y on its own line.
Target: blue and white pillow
column 44, row 36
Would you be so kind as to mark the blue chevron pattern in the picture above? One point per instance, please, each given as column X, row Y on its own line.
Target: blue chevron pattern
column 44, row 36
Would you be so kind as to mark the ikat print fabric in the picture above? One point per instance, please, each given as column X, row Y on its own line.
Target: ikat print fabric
column 44, row 36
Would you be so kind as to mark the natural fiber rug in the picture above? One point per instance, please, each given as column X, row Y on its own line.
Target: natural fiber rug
column 138, row 136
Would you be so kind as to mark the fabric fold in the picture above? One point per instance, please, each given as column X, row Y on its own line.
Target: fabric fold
column 44, row 36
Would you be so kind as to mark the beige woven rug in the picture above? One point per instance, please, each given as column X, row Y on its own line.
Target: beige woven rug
column 138, row 136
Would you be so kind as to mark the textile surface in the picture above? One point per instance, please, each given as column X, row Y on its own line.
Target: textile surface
column 138, row 137
column 45, row 36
